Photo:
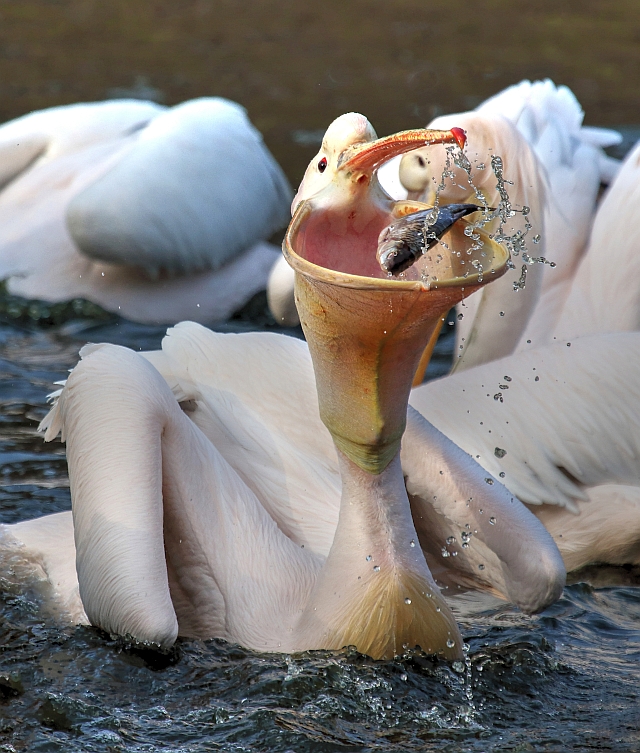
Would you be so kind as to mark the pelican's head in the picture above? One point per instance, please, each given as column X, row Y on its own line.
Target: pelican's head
column 366, row 330
column 343, row 172
column 341, row 203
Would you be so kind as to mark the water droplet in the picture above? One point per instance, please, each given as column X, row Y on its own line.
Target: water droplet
column 502, row 313
column 451, row 540
column 492, row 521
column 404, row 677
column 499, row 452
column 457, row 666
column 368, row 558
column 376, row 568
column 507, row 378
column 502, row 474
column 451, row 643
column 537, row 379
column 480, row 567
column 489, row 481
column 412, row 543
column 407, row 600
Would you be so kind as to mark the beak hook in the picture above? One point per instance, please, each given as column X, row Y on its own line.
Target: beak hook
column 460, row 136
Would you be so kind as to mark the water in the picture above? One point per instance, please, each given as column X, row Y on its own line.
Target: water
column 567, row 680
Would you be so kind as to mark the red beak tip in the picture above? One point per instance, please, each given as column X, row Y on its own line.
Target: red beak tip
column 460, row 136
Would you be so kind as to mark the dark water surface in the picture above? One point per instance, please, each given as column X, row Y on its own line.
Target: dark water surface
column 567, row 680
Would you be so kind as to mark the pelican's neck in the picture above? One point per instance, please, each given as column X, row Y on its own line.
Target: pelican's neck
column 375, row 516
column 375, row 590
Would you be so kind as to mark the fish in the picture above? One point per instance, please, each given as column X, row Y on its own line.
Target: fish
column 404, row 241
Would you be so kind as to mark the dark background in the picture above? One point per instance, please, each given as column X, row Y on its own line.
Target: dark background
column 296, row 64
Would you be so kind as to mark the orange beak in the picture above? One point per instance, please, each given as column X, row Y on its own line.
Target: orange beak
column 370, row 155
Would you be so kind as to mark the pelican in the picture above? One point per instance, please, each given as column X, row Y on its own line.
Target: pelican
column 139, row 208
column 555, row 166
column 251, row 487
column 557, row 423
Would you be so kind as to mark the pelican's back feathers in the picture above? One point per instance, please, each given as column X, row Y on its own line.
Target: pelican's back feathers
column 574, row 166
column 198, row 187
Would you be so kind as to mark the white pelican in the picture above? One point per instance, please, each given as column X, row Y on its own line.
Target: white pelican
column 226, row 518
column 556, row 167
column 559, row 421
column 139, row 208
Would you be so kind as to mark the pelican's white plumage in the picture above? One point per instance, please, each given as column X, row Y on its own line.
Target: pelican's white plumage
column 156, row 213
column 237, row 495
column 603, row 295
column 556, row 166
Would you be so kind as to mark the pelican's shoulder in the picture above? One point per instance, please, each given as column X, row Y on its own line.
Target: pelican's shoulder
column 262, row 366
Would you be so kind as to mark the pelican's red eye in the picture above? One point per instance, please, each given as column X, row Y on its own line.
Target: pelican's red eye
column 322, row 165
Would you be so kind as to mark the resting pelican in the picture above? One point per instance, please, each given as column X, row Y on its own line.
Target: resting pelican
column 139, row 208
column 208, row 497
column 560, row 422
column 556, row 167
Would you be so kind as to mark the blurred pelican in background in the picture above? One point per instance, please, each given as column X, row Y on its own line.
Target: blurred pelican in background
column 158, row 214
column 555, row 167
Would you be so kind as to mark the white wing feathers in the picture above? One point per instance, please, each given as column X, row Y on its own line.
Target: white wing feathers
column 64, row 130
column 569, row 417
column 574, row 166
column 604, row 294
column 197, row 188
column 255, row 400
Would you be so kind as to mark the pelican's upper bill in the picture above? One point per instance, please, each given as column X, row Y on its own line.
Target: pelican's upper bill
column 341, row 208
